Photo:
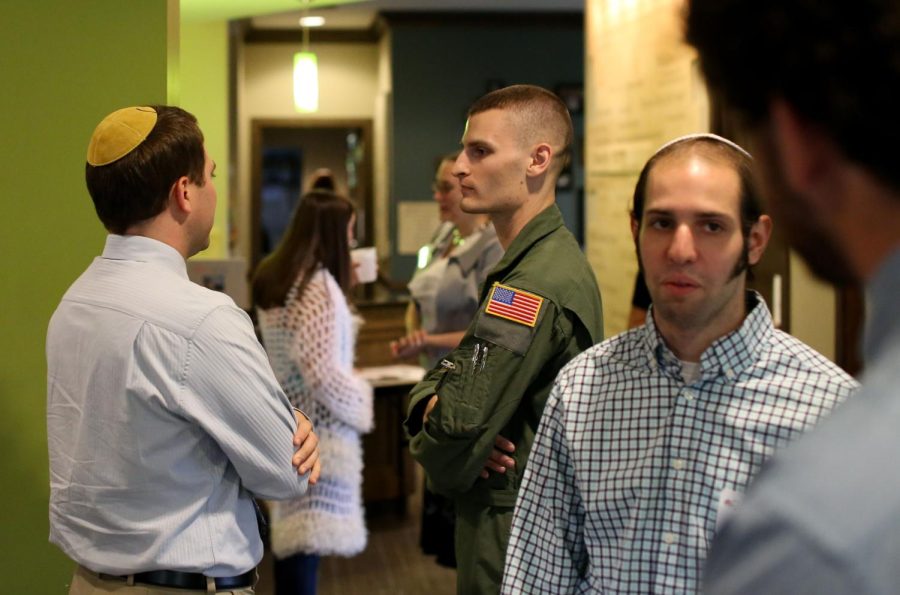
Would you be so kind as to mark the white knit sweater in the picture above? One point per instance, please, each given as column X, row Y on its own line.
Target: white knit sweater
column 310, row 343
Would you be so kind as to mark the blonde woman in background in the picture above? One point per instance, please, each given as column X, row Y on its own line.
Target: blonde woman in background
column 445, row 293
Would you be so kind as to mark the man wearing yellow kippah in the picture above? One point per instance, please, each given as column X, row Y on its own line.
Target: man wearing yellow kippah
column 164, row 419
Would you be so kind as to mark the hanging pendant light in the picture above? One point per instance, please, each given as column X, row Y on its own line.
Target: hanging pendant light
column 306, row 82
column 306, row 72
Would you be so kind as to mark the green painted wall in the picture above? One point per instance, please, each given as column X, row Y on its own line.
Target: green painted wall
column 64, row 66
column 204, row 93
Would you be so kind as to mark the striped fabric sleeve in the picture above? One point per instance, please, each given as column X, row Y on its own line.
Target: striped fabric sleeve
column 546, row 552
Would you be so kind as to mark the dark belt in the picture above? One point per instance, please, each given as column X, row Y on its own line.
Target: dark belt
column 187, row 580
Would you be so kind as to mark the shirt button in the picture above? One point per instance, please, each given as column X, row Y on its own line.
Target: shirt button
column 688, row 395
column 729, row 373
column 678, row 464
column 668, row 538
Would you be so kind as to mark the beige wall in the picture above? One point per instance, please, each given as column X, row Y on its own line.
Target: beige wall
column 348, row 87
column 641, row 89
column 813, row 306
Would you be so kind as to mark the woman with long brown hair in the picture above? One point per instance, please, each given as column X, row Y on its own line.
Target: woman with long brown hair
column 309, row 331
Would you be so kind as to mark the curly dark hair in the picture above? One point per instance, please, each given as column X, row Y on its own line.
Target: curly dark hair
column 836, row 63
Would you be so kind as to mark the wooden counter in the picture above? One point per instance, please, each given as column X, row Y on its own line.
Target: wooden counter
column 388, row 467
column 384, row 322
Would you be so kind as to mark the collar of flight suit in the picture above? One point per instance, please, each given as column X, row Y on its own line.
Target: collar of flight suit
column 542, row 225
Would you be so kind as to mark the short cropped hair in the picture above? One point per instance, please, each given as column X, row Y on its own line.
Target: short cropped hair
column 836, row 63
column 136, row 187
column 542, row 115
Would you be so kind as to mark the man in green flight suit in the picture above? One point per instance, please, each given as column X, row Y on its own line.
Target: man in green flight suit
column 473, row 418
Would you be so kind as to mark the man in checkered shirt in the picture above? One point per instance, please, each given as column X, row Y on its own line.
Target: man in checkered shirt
column 649, row 439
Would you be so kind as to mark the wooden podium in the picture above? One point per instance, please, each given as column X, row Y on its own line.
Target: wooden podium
column 388, row 472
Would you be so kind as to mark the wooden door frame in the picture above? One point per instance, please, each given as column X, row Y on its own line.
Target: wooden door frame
column 776, row 259
column 364, row 176
column 850, row 319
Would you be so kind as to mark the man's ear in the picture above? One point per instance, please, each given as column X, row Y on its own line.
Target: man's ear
column 179, row 197
column 635, row 227
column 758, row 239
column 807, row 154
column 541, row 157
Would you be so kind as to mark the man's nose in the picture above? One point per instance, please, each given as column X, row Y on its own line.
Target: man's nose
column 460, row 166
column 682, row 248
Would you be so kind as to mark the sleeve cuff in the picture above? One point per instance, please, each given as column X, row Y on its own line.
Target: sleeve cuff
column 307, row 418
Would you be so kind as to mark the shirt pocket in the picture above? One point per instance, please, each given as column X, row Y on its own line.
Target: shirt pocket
column 464, row 388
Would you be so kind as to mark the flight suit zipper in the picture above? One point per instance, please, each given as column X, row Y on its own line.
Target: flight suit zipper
column 447, row 367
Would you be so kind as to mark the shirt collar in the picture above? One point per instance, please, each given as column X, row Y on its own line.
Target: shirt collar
column 144, row 249
column 469, row 253
column 543, row 224
column 727, row 356
column 884, row 307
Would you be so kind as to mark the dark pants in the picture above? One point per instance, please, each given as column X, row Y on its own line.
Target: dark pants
column 296, row 575
column 438, row 528
column 482, row 533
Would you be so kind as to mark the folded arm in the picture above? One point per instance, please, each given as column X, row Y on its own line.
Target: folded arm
column 479, row 386
column 231, row 392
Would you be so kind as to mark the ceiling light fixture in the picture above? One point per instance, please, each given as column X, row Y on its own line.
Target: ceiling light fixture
column 312, row 21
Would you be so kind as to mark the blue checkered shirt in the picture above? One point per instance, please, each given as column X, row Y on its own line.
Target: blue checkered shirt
column 622, row 488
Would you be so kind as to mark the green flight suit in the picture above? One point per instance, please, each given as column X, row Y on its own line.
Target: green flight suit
column 496, row 382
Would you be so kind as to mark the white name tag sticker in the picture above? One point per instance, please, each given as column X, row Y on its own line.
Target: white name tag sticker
column 728, row 502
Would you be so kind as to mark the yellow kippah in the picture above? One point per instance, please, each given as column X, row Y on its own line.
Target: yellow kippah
column 119, row 134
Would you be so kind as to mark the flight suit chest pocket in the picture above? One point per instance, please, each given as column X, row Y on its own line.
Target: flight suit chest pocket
column 510, row 335
column 464, row 386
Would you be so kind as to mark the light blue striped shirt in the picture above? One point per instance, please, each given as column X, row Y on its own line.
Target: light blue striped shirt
column 163, row 416
column 824, row 517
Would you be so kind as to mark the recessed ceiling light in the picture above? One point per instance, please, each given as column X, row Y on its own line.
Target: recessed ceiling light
column 312, row 21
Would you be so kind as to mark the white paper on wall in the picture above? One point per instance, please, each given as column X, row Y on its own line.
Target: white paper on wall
column 416, row 223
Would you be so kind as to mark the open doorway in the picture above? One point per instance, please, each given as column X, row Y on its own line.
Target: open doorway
column 285, row 153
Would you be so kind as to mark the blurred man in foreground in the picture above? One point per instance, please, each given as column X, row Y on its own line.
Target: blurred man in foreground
column 817, row 85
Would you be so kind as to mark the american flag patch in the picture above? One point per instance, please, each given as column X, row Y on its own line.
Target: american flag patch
column 514, row 304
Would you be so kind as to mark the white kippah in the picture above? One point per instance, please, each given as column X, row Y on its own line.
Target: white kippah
column 707, row 136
